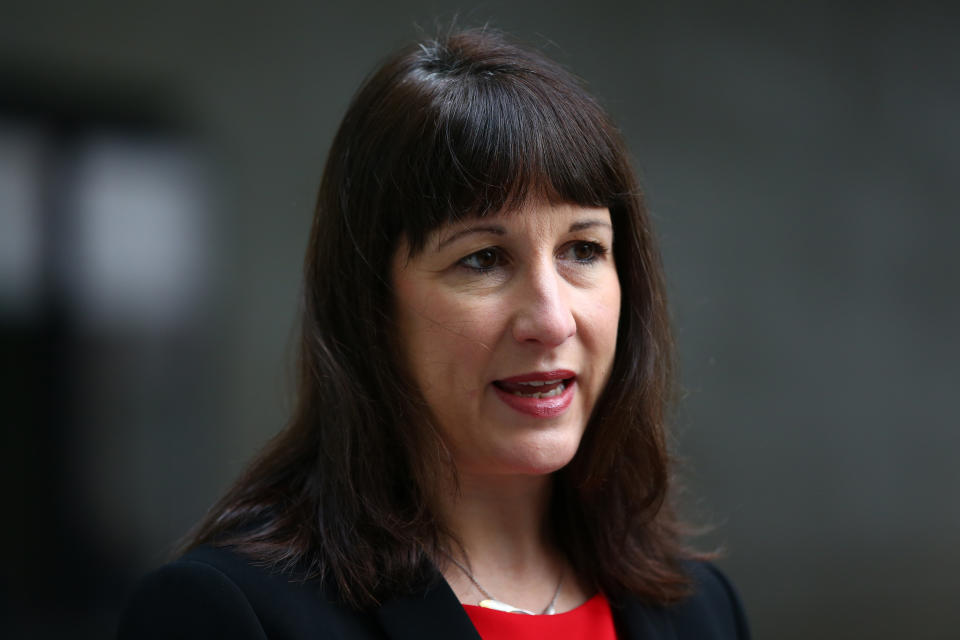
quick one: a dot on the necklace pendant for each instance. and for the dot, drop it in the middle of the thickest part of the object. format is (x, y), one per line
(503, 606)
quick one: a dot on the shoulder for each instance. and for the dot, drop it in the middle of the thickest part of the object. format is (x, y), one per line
(214, 592)
(714, 601)
(712, 611)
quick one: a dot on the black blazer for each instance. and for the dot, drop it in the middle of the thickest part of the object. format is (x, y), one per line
(214, 593)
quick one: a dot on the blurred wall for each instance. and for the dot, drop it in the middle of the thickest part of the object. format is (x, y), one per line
(801, 161)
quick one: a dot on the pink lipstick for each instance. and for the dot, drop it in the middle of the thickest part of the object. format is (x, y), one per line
(542, 394)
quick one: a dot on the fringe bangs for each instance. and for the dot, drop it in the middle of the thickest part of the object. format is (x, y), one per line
(491, 136)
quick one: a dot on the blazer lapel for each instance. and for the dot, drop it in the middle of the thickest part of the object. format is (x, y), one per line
(435, 613)
(634, 620)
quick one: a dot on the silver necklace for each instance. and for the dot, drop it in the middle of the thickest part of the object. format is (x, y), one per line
(492, 603)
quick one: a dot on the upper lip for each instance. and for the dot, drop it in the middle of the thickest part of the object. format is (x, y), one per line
(541, 376)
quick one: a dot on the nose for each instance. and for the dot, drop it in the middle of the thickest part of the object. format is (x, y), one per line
(544, 314)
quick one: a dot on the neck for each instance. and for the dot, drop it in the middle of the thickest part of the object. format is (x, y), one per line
(502, 521)
(507, 547)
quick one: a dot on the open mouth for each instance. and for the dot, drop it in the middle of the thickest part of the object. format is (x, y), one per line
(534, 388)
(541, 394)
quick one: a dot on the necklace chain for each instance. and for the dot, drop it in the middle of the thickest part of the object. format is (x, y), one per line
(499, 604)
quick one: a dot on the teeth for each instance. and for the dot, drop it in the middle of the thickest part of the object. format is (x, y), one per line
(546, 394)
(534, 383)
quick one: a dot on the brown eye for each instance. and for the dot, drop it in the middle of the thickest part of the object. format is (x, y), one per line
(482, 260)
(584, 251)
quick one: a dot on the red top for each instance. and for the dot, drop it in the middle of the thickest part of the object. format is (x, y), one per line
(592, 620)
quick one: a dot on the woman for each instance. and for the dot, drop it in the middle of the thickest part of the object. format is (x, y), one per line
(485, 364)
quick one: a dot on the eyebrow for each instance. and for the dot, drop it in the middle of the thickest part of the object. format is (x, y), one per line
(494, 229)
(587, 224)
(501, 231)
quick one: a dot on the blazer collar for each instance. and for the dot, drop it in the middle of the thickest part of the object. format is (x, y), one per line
(437, 613)
(434, 613)
(636, 620)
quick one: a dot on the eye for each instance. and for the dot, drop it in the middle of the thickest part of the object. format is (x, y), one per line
(585, 252)
(483, 260)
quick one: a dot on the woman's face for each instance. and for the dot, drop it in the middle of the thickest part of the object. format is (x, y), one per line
(509, 325)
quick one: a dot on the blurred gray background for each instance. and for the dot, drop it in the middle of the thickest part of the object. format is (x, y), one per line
(158, 165)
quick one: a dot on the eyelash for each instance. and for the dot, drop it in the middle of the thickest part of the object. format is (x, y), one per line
(598, 251)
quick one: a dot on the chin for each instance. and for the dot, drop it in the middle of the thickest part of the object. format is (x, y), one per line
(543, 459)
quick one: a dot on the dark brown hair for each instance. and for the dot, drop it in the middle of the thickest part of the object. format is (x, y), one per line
(466, 125)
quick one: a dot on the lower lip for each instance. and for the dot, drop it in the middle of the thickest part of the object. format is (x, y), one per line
(539, 407)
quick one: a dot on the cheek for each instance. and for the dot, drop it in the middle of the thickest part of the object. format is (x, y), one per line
(603, 322)
(612, 319)
(604, 315)
(446, 340)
